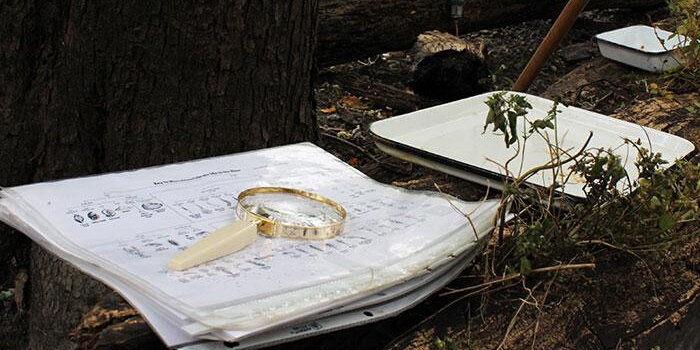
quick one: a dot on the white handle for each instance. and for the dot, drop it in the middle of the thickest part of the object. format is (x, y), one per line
(224, 241)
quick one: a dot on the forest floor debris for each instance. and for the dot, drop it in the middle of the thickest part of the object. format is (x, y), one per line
(619, 303)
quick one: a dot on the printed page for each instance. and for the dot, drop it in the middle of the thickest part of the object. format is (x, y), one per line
(133, 223)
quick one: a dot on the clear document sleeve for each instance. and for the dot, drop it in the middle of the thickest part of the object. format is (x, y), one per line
(130, 224)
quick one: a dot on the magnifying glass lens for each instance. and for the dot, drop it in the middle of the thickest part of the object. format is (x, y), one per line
(291, 209)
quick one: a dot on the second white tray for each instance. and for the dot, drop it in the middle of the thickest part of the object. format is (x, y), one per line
(643, 47)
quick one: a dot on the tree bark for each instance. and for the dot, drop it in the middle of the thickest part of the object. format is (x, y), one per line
(95, 86)
(113, 324)
(355, 29)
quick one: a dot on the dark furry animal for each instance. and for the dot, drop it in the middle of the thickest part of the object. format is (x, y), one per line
(450, 75)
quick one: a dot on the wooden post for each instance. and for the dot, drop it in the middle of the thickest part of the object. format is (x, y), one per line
(550, 43)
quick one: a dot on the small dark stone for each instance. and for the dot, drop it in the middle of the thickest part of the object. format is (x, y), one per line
(578, 52)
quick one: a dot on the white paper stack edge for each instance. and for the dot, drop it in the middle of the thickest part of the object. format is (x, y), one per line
(122, 228)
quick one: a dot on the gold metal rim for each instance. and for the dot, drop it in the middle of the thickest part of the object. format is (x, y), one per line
(274, 229)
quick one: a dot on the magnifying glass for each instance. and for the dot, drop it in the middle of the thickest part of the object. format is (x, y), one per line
(273, 212)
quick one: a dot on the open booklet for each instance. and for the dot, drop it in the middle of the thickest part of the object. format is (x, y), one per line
(123, 228)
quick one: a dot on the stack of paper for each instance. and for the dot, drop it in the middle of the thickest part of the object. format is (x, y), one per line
(122, 228)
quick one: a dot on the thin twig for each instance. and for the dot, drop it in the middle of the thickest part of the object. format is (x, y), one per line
(351, 144)
(518, 181)
(537, 169)
(519, 275)
(610, 245)
(404, 334)
(515, 317)
(600, 100)
(539, 313)
(433, 315)
(476, 235)
(366, 152)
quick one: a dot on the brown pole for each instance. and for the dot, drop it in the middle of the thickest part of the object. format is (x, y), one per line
(550, 43)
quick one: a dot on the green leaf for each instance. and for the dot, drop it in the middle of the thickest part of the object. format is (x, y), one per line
(513, 129)
(525, 266)
(666, 222)
(489, 119)
(6, 294)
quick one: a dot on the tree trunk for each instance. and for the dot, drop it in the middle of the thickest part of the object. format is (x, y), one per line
(355, 29)
(95, 86)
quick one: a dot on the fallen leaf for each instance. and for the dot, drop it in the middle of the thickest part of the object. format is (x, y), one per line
(354, 161)
(328, 110)
(395, 54)
(344, 135)
(353, 102)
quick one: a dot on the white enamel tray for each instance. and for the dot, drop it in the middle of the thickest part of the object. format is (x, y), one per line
(644, 47)
(450, 138)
